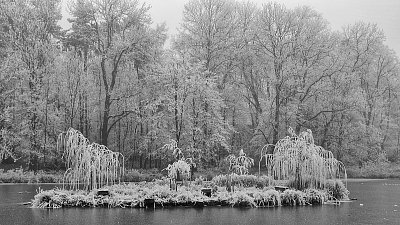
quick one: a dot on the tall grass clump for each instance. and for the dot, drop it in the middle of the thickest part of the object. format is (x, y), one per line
(292, 197)
(297, 158)
(89, 165)
(314, 196)
(337, 189)
(134, 175)
(20, 176)
(242, 180)
(267, 198)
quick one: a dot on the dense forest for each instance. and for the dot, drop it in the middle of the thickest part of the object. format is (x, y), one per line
(236, 76)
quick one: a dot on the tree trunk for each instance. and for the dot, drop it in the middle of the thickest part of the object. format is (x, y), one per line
(119, 136)
(100, 116)
(86, 117)
(46, 122)
(150, 161)
(81, 113)
(106, 111)
(277, 115)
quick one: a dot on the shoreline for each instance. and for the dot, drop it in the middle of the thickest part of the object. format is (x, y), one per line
(159, 195)
(135, 182)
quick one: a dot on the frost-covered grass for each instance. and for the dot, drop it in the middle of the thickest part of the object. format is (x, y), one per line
(243, 180)
(380, 170)
(134, 175)
(21, 176)
(133, 195)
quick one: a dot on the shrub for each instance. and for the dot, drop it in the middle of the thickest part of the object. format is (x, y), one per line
(184, 197)
(293, 197)
(337, 189)
(375, 170)
(208, 174)
(199, 180)
(14, 176)
(241, 199)
(43, 177)
(143, 175)
(162, 181)
(267, 197)
(21, 176)
(212, 185)
(314, 196)
(132, 176)
(264, 181)
(243, 180)
(220, 180)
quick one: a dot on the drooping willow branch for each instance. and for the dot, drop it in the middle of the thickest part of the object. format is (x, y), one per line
(88, 165)
(296, 157)
(240, 164)
(180, 168)
(264, 153)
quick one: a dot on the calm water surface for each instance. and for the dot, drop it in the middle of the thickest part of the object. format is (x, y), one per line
(378, 203)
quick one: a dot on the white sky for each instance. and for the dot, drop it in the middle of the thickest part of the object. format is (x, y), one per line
(339, 13)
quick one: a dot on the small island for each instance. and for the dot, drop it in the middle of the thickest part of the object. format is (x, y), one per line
(298, 173)
(202, 112)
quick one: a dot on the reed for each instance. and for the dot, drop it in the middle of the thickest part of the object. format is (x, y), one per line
(89, 165)
(297, 158)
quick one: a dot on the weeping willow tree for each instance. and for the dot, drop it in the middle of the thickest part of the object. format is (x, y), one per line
(297, 158)
(89, 165)
(182, 168)
(179, 169)
(240, 164)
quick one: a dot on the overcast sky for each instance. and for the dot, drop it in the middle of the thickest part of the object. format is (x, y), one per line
(339, 13)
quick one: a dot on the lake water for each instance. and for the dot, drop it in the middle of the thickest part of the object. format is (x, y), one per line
(378, 203)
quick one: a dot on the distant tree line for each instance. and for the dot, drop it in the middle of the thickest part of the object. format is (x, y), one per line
(237, 76)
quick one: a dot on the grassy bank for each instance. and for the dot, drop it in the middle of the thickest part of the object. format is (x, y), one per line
(368, 171)
(21, 176)
(134, 175)
(135, 195)
(382, 170)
